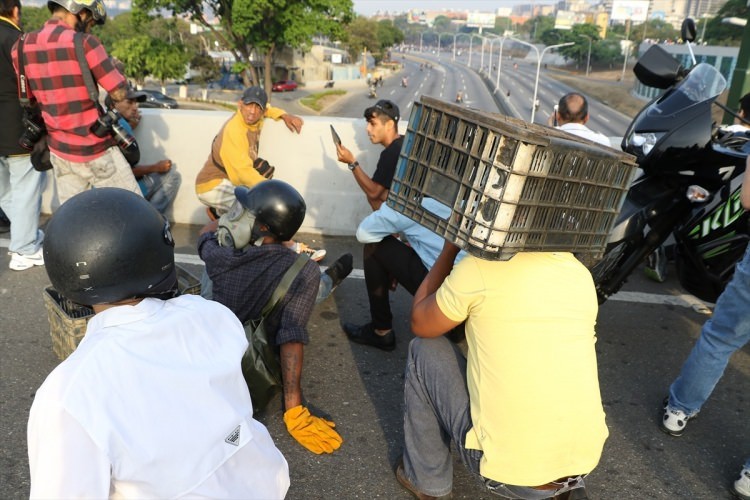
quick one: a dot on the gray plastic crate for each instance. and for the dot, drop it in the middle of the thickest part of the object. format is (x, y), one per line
(511, 186)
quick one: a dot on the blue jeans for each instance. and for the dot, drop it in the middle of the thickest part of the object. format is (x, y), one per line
(161, 189)
(727, 331)
(436, 412)
(21, 199)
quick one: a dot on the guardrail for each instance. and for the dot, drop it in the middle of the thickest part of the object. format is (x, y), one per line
(335, 204)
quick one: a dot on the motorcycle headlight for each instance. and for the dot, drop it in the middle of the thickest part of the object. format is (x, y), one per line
(645, 141)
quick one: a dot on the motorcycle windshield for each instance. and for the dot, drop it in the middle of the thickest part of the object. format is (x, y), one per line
(703, 83)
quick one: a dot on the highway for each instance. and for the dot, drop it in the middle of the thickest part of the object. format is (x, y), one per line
(443, 78)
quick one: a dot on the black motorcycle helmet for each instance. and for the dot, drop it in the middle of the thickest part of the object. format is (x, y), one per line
(108, 244)
(275, 204)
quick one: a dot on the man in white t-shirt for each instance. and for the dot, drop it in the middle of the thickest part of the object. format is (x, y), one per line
(152, 403)
(571, 116)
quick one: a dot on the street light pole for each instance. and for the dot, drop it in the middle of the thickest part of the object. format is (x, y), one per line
(499, 65)
(588, 58)
(538, 68)
(492, 44)
(471, 42)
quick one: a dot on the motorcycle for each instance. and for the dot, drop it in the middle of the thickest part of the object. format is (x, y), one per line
(404, 82)
(372, 94)
(690, 185)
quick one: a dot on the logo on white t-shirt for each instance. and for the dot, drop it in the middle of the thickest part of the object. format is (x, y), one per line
(234, 437)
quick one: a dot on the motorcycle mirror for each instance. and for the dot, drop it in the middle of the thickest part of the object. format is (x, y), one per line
(688, 30)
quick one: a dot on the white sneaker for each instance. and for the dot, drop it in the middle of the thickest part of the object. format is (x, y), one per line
(742, 485)
(673, 421)
(20, 262)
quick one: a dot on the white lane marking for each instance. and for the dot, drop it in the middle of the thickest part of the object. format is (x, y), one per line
(683, 300)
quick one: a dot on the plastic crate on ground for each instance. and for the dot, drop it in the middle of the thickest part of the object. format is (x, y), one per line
(68, 320)
(511, 186)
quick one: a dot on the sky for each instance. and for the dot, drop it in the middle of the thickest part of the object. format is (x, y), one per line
(369, 7)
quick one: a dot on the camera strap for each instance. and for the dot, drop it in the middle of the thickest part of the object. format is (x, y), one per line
(88, 79)
(23, 95)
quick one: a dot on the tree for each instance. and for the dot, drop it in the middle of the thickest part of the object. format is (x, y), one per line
(442, 24)
(388, 35)
(654, 29)
(361, 34)
(536, 28)
(261, 26)
(166, 60)
(32, 18)
(719, 33)
(134, 53)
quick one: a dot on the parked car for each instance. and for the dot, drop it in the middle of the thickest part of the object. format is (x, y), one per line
(155, 99)
(284, 85)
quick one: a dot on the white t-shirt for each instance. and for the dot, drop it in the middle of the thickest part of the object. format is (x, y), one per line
(583, 131)
(153, 404)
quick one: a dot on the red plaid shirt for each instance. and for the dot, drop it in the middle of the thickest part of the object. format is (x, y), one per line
(55, 80)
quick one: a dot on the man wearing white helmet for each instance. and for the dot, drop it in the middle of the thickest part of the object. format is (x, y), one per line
(80, 158)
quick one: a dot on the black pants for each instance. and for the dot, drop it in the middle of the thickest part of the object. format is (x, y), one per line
(389, 258)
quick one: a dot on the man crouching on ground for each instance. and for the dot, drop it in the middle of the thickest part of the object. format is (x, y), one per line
(152, 404)
(523, 408)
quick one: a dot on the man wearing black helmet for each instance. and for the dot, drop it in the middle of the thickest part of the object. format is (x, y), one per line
(246, 260)
(153, 403)
(54, 77)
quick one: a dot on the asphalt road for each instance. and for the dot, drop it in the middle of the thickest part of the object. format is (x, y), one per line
(643, 337)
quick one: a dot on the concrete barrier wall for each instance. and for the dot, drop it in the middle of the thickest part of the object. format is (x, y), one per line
(335, 204)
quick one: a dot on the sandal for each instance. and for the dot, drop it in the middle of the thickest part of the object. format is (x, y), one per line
(316, 255)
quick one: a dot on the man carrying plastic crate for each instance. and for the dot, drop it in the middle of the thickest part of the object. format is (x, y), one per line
(524, 409)
(382, 128)
(152, 404)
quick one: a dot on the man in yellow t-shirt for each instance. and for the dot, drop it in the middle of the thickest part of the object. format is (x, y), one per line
(524, 408)
(233, 160)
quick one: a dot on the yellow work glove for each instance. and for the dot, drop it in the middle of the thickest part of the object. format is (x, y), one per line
(314, 433)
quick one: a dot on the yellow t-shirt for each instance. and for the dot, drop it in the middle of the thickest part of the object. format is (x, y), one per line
(235, 148)
(532, 376)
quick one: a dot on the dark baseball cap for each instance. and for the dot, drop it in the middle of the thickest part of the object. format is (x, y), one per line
(135, 95)
(131, 93)
(255, 95)
(383, 107)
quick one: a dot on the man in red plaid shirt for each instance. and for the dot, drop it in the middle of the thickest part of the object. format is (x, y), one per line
(80, 158)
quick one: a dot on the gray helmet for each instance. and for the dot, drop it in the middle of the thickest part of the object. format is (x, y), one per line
(96, 7)
(108, 244)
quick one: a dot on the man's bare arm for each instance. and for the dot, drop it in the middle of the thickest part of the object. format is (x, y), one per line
(291, 373)
(427, 320)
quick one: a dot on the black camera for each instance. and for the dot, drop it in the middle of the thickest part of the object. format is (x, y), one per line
(33, 130)
(109, 124)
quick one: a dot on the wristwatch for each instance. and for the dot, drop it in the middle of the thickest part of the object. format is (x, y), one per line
(355, 163)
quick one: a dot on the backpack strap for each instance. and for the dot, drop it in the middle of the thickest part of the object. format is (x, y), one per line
(284, 284)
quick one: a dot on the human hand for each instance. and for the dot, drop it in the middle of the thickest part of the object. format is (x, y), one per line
(162, 166)
(292, 122)
(344, 155)
(314, 433)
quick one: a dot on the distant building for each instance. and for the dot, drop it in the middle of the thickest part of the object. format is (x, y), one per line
(722, 58)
